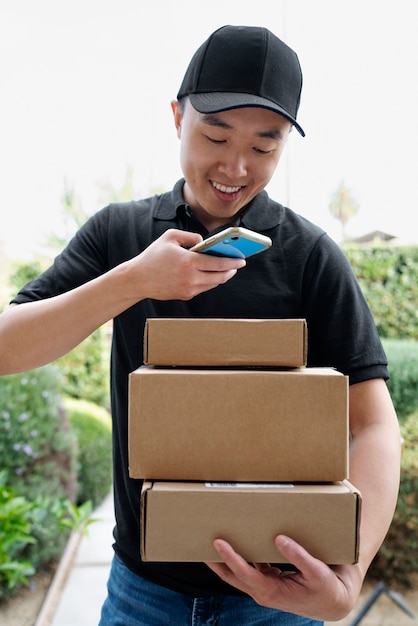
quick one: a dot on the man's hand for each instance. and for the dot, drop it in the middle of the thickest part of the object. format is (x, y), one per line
(316, 590)
(167, 270)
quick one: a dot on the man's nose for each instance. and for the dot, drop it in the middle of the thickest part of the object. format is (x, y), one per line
(234, 166)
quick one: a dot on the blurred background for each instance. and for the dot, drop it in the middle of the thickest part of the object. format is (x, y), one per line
(86, 87)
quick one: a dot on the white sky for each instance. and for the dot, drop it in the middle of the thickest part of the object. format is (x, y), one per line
(86, 85)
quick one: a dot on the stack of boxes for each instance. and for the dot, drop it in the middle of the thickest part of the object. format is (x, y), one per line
(235, 438)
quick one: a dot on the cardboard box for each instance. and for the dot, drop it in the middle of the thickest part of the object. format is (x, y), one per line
(180, 520)
(225, 342)
(243, 425)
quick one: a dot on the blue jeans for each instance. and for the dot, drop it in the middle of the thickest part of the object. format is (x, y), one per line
(134, 601)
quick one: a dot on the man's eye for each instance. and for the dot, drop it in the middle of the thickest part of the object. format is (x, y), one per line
(212, 140)
(260, 151)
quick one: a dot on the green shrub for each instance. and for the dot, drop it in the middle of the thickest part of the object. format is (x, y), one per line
(15, 535)
(388, 278)
(92, 427)
(23, 529)
(37, 447)
(85, 370)
(397, 559)
(50, 534)
(38, 452)
(403, 369)
(22, 272)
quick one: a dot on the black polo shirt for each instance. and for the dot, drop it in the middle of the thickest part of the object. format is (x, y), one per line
(303, 275)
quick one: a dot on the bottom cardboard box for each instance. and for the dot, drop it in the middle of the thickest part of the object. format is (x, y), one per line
(180, 520)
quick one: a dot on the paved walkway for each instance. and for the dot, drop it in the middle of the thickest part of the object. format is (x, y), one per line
(84, 589)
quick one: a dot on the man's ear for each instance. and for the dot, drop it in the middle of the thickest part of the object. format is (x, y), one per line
(178, 116)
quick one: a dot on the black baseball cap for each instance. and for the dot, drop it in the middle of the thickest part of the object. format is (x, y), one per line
(244, 66)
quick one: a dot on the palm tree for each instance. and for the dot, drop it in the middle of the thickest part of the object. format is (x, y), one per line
(343, 206)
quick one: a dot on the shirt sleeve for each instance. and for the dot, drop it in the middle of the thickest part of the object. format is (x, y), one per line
(341, 329)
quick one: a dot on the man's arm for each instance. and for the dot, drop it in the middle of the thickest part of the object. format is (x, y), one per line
(39, 332)
(374, 463)
(318, 591)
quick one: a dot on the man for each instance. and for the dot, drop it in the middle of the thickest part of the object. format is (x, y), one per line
(235, 109)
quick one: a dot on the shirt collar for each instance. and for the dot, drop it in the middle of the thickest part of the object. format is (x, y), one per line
(261, 213)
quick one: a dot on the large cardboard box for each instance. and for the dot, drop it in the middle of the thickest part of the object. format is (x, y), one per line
(225, 342)
(242, 425)
(180, 520)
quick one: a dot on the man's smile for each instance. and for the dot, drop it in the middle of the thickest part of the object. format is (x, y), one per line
(225, 188)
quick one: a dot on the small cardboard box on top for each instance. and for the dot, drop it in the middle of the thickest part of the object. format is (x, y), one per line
(238, 424)
(180, 520)
(225, 342)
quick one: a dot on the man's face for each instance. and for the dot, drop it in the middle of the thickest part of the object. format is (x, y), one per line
(227, 158)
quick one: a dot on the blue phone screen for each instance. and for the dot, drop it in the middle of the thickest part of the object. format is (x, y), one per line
(235, 247)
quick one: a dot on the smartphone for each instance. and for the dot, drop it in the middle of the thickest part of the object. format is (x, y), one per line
(234, 242)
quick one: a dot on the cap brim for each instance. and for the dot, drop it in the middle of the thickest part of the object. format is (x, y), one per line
(214, 102)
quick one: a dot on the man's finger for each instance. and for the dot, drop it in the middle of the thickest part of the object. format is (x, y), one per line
(295, 554)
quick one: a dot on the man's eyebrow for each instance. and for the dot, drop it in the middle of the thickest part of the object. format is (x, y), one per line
(214, 120)
(275, 133)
